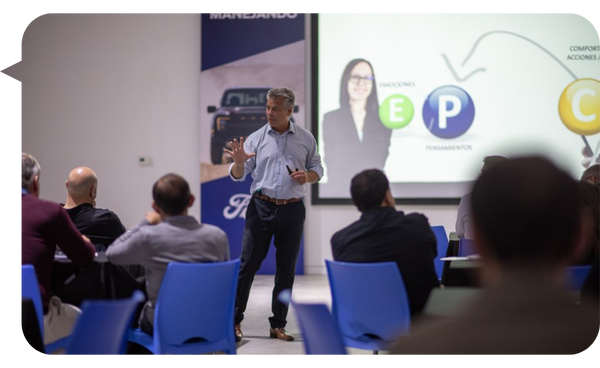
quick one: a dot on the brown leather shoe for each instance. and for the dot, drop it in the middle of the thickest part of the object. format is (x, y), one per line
(238, 332)
(281, 334)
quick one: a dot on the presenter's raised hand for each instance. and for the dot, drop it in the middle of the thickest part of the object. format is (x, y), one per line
(238, 153)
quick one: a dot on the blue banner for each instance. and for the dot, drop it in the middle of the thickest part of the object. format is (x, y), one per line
(228, 37)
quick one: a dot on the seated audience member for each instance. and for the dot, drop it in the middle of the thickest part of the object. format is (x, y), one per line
(167, 235)
(44, 225)
(74, 284)
(590, 224)
(526, 233)
(383, 234)
(590, 292)
(101, 226)
(592, 174)
(463, 219)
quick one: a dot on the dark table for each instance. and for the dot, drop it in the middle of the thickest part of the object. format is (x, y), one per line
(465, 273)
(459, 272)
(100, 280)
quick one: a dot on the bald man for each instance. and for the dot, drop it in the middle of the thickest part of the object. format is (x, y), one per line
(100, 225)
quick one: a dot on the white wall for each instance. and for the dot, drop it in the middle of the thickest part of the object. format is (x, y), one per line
(100, 90)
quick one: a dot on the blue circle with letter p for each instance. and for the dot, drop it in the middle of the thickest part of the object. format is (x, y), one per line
(448, 112)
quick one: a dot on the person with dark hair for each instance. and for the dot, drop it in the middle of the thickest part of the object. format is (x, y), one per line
(354, 137)
(590, 291)
(44, 226)
(102, 226)
(463, 218)
(526, 215)
(592, 174)
(590, 223)
(167, 235)
(590, 253)
(383, 234)
(282, 158)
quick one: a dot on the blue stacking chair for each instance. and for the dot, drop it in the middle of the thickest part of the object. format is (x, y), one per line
(576, 276)
(466, 247)
(31, 289)
(442, 248)
(319, 329)
(369, 303)
(103, 326)
(194, 313)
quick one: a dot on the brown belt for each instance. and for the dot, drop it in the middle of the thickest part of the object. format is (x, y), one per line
(278, 202)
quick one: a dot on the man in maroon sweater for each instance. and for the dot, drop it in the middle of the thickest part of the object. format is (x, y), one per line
(44, 226)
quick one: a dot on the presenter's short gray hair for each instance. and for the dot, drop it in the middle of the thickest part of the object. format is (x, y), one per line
(30, 168)
(286, 93)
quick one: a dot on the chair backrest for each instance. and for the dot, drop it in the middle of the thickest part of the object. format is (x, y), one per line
(196, 303)
(31, 289)
(30, 325)
(103, 325)
(322, 338)
(319, 329)
(369, 300)
(576, 276)
(442, 247)
(466, 247)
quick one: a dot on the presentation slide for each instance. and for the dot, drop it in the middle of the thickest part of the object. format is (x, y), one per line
(426, 97)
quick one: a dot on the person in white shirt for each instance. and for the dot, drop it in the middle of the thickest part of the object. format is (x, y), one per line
(463, 218)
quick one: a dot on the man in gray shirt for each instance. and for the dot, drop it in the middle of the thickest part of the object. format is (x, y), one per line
(167, 235)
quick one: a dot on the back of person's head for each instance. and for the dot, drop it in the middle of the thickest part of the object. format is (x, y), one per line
(592, 174)
(82, 183)
(30, 168)
(368, 189)
(526, 211)
(491, 161)
(590, 197)
(171, 193)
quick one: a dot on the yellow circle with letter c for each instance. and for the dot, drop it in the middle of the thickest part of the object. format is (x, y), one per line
(579, 106)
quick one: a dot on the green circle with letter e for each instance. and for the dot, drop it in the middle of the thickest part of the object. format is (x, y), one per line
(396, 112)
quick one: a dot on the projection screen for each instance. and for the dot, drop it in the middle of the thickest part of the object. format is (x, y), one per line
(426, 97)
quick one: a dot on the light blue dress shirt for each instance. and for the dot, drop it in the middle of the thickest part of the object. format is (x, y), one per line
(296, 148)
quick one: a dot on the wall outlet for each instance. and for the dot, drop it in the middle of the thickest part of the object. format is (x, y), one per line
(145, 160)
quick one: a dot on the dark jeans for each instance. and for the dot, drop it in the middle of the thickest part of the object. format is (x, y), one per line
(265, 220)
